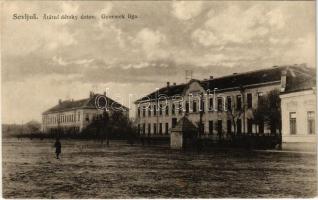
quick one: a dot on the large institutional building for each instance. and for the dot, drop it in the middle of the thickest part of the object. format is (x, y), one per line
(220, 106)
(73, 116)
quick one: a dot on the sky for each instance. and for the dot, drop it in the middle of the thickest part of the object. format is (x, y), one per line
(43, 61)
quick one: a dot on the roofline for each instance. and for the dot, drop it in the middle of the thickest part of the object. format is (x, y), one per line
(77, 108)
(231, 75)
(221, 90)
(84, 107)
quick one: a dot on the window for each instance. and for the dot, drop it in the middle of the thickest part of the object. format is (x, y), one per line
(174, 122)
(160, 109)
(260, 98)
(311, 122)
(144, 111)
(79, 116)
(211, 104)
(249, 100)
(292, 123)
(167, 128)
(149, 129)
(167, 110)
(155, 128)
(220, 104)
(87, 117)
(194, 106)
(154, 110)
(138, 129)
(202, 106)
(249, 126)
(160, 128)
(239, 126)
(149, 111)
(143, 128)
(187, 107)
(229, 126)
(180, 108)
(211, 127)
(229, 103)
(173, 110)
(238, 102)
(138, 112)
(219, 127)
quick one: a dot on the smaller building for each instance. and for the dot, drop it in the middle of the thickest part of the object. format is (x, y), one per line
(184, 131)
(72, 116)
(298, 105)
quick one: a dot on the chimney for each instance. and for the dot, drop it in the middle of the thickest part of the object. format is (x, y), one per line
(91, 94)
(283, 79)
(60, 101)
(168, 84)
(211, 77)
(174, 84)
(105, 93)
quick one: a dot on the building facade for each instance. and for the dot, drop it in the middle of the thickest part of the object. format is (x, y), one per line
(72, 116)
(217, 106)
(298, 104)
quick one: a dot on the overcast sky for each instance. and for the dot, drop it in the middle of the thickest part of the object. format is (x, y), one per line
(43, 61)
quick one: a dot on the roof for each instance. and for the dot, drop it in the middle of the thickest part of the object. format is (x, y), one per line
(88, 103)
(303, 79)
(184, 125)
(234, 81)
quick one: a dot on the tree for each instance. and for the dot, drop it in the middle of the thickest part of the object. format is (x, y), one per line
(236, 112)
(33, 127)
(105, 127)
(269, 111)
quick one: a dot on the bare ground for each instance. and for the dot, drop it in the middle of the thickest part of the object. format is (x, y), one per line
(88, 169)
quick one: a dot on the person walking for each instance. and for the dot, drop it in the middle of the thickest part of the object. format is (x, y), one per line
(58, 148)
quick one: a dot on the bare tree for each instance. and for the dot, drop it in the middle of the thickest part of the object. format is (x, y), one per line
(236, 112)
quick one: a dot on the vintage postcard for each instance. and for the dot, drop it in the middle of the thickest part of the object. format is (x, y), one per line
(158, 99)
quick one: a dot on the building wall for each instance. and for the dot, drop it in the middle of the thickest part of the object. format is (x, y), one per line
(65, 119)
(298, 104)
(195, 89)
(77, 118)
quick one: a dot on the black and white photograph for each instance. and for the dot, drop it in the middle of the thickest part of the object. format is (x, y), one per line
(158, 99)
